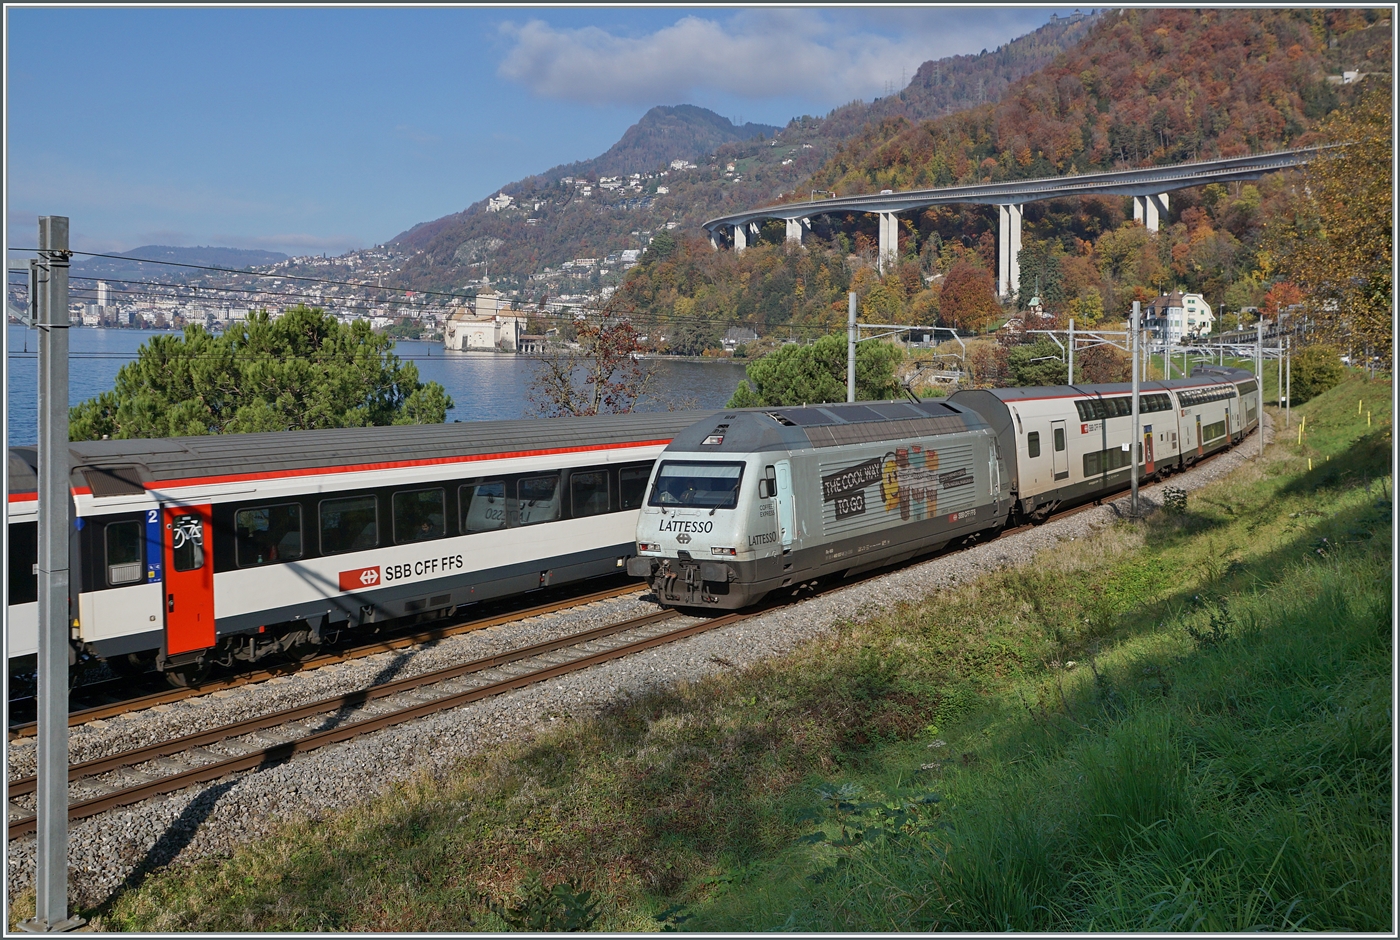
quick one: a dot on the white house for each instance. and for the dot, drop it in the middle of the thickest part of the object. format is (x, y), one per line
(488, 328)
(1178, 317)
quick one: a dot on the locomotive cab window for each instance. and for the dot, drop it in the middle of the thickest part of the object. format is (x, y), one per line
(632, 486)
(419, 515)
(1033, 444)
(588, 492)
(537, 499)
(123, 543)
(483, 506)
(349, 525)
(267, 534)
(698, 485)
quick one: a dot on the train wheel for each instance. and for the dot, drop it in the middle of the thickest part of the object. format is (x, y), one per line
(189, 675)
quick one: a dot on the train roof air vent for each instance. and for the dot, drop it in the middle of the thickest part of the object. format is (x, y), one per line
(113, 481)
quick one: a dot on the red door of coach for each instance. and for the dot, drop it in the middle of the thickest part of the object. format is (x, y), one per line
(189, 579)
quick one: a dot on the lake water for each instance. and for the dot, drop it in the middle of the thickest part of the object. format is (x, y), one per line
(483, 386)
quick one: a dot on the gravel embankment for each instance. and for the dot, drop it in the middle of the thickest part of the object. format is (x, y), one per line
(121, 846)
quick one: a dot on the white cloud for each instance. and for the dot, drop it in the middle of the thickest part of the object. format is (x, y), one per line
(826, 57)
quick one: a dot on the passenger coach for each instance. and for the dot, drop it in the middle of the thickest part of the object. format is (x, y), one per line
(192, 551)
(1069, 443)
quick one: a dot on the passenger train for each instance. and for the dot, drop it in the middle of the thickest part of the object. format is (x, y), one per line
(753, 501)
(192, 552)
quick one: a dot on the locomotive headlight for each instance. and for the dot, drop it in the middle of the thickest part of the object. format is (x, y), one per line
(723, 551)
(648, 547)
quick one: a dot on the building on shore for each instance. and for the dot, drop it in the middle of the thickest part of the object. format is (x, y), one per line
(488, 327)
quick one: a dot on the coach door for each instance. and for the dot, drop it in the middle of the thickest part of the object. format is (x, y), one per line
(1059, 449)
(1149, 458)
(1200, 445)
(785, 507)
(189, 579)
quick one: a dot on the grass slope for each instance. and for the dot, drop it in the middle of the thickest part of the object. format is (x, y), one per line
(1176, 724)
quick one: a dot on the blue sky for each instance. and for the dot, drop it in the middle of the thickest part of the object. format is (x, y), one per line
(318, 129)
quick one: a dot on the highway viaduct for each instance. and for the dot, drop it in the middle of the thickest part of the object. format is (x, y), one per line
(1149, 188)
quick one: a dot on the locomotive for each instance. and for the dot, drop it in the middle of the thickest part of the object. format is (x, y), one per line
(191, 552)
(752, 501)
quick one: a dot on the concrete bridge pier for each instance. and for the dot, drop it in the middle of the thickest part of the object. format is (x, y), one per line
(741, 237)
(1151, 210)
(798, 230)
(889, 241)
(714, 239)
(1008, 249)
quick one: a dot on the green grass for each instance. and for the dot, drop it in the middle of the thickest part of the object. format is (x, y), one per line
(1176, 724)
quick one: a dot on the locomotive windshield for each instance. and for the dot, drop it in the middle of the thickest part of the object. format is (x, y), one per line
(700, 485)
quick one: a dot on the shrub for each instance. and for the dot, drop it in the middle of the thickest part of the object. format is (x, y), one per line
(1315, 370)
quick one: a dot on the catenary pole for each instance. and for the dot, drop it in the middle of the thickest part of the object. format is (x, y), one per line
(1071, 350)
(1259, 380)
(51, 834)
(1288, 385)
(1137, 413)
(851, 331)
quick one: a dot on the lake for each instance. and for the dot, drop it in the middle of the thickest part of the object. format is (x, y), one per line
(483, 386)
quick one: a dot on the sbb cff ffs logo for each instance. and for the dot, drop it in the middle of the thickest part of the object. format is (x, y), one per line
(359, 579)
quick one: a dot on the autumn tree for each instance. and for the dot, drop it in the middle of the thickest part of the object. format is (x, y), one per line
(968, 298)
(605, 375)
(1338, 249)
(302, 370)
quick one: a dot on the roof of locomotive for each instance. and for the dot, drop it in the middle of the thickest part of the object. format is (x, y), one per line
(787, 428)
(163, 460)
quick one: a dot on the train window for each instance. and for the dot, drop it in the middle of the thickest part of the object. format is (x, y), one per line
(419, 515)
(24, 562)
(537, 499)
(268, 534)
(633, 486)
(1059, 438)
(483, 506)
(186, 543)
(588, 492)
(1105, 461)
(349, 525)
(1033, 443)
(123, 552)
(702, 485)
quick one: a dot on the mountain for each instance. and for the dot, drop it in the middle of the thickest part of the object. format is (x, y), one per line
(235, 258)
(683, 132)
(550, 222)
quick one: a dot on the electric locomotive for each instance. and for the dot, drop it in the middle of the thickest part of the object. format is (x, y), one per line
(753, 501)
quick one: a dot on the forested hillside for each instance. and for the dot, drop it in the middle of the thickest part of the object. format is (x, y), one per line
(1146, 86)
(569, 223)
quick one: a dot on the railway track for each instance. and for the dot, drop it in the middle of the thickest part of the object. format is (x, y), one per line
(116, 705)
(132, 776)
